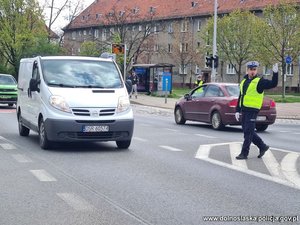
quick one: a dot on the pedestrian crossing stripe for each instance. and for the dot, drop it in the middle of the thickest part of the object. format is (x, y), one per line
(284, 172)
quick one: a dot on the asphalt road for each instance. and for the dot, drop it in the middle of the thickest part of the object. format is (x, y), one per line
(170, 175)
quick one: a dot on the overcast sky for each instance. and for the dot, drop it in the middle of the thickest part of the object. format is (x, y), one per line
(62, 21)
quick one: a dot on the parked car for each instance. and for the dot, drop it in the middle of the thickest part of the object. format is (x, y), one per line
(215, 103)
(8, 89)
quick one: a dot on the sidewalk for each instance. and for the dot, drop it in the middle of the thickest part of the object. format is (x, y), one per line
(284, 110)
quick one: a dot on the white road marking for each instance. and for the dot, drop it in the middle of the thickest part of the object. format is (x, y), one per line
(140, 139)
(7, 146)
(2, 138)
(21, 158)
(203, 152)
(43, 175)
(272, 165)
(235, 150)
(289, 169)
(283, 131)
(171, 148)
(205, 136)
(75, 201)
(173, 130)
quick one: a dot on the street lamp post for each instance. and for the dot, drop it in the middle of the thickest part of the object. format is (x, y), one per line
(213, 69)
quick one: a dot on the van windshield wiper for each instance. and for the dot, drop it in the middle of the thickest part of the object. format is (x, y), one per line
(88, 86)
(62, 85)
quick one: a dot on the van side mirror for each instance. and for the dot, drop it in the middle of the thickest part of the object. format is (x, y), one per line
(128, 85)
(33, 85)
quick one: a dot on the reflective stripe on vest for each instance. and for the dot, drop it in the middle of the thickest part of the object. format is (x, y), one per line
(252, 98)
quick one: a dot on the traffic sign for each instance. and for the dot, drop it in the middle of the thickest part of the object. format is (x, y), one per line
(118, 48)
(288, 59)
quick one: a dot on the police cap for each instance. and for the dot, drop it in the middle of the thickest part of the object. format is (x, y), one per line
(252, 64)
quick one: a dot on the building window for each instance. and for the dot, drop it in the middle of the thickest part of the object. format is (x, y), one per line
(96, 33)
(104, 35)
(184, 25)
(289, 68)
(199, 25)
(155, 29)
(183, 69)
(133, 28)
(230, 69)
(197, 69)
(156, 48)
(170, 28)
(74, 35)
(207, 39)
(112, 31)
(140, 27)
(84, 33)
(183, 47)
(170, 48)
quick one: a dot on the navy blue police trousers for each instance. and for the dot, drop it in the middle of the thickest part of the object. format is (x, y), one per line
(250, 136)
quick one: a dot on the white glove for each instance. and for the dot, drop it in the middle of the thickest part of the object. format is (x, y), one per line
(237, 116)
(275, 68)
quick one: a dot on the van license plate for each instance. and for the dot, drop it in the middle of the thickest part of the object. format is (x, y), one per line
(95, 128)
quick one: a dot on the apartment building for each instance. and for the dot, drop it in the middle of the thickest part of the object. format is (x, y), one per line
(163, 31)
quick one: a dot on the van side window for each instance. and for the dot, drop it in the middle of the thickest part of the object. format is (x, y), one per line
(35, 72)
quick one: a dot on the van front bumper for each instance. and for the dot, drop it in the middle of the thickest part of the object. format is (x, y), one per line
(70, 130)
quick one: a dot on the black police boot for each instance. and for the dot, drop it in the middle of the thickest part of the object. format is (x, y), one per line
(263, 151)
(241, 156)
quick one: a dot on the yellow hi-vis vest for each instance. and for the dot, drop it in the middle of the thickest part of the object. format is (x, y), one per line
(200, 83)
(252, 98)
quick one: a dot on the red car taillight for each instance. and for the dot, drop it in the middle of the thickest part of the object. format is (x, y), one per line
(233, 103)
(272, 104)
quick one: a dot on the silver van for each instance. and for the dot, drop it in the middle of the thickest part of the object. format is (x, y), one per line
(70, 98)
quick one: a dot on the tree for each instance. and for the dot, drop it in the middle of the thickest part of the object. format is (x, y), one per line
(56, 9)
(236, 38)
(281, 36)
(89, 48)
(134, 37)
(21, 26)
(182, 51)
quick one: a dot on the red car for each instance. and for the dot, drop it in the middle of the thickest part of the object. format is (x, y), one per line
(215, 103)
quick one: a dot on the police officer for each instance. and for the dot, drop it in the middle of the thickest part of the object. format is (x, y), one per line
(199, 81)
(250, 101)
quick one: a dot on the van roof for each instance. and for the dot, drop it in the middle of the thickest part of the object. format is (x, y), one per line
(67, 57)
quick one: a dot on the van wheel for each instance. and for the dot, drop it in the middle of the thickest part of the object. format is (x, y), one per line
(44, 142)
(123, 144)
(23, 131)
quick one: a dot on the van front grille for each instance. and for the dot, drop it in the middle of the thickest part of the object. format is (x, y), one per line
(94, 112)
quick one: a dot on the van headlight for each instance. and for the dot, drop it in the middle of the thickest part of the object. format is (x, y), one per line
(123, 104)
(59, 103)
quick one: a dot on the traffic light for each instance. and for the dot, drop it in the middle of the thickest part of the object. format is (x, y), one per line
(118, 48)
(216, 61)
(209, 61)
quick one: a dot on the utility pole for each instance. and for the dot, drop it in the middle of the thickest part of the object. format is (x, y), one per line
(213, 69)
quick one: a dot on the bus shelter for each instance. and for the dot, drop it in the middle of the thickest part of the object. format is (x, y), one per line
(154, 78)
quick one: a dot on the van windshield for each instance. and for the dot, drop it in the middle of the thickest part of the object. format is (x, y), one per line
(80, 73)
